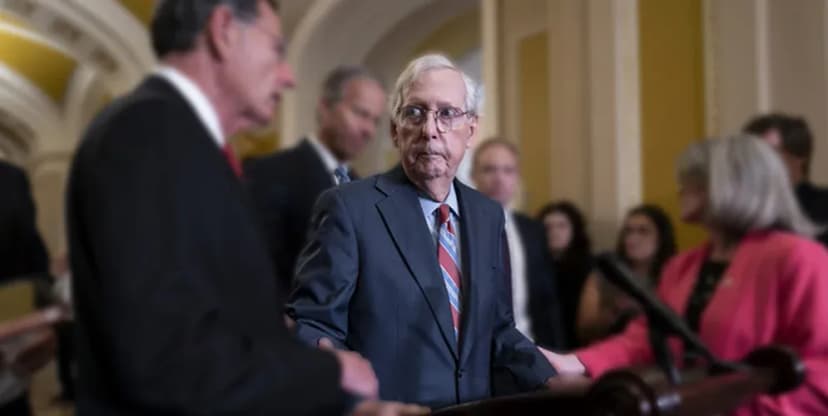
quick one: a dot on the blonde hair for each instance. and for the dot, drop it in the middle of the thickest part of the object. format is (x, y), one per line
(747, 186)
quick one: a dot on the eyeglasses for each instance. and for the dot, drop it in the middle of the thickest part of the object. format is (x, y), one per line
(446, 118)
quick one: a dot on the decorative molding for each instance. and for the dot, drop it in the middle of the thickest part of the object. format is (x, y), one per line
(36, 37)
(490, 33)
(614, 114)
(761, 32)
(319, 46)
(31, 107)
(83, 86)
(302, 36)
(711, 75)
(97, 32)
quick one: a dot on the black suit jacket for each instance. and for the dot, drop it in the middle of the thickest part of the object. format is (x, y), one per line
(814, 202)
(176, 307)
(284, 186)
(369, 280)
(22, 252)
(544, 309)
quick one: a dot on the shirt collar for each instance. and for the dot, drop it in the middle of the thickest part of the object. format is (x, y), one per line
(429, 205)
(328, 159)
(196, 98)
(508, 215)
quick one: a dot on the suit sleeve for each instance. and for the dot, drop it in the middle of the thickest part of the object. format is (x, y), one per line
(511, 349)
(802, 291)
(326, 274)
(161, 322)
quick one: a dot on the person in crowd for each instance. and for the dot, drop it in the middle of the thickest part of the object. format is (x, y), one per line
(285, 185)
(22, 252)
(645, 243)
(571, 251)
(535, 303)
(758, 280)
(792, 138)
(176, 308)
(22, 256)
(408, 267)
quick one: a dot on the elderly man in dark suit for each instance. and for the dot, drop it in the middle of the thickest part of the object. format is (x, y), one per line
(176, 306)
(285, 185)
(496, 174)
(407, 267)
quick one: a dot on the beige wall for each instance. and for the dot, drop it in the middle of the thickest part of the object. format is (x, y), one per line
(567, 90)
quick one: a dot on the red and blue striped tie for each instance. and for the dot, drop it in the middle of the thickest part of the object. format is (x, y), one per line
(447, 256)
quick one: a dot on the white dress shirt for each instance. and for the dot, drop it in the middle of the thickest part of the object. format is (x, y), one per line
(328, 159)
(197, 100)
(520, 291)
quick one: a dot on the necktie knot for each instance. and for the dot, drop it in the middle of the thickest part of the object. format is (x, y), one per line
(341, 173)
(443, 213)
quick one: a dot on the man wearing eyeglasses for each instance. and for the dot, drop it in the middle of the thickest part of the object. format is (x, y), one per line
(407, 267)
(348, 113)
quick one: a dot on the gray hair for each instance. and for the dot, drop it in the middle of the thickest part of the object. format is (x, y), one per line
(747, 186)
(334, 86)
(427, 63)
(177, 23)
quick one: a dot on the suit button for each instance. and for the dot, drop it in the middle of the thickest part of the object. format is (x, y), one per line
(460, 373)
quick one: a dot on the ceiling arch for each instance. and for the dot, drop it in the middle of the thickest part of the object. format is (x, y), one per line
(334, 32)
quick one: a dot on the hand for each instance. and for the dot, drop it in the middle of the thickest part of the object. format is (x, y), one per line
(289, 322)
(378, 408)
(39, 350)
(575, 383)
(358, 376)
(564, 363)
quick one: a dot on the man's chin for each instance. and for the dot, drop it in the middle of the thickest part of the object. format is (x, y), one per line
(429, 172)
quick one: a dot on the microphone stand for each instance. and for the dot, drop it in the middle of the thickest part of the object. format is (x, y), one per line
(660, 327)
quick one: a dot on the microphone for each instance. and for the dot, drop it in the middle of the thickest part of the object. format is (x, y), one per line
(659, 316)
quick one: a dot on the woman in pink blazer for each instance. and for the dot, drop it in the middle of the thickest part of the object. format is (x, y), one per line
(756, 281)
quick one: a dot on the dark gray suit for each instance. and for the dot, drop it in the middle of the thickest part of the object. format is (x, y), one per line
(369, 280)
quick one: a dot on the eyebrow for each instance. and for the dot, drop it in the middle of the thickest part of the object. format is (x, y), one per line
(439, 104)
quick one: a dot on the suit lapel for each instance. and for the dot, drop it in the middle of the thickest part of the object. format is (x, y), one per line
(472, 238)
(404, 220)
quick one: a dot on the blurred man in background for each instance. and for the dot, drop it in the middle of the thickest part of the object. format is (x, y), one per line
(285, 185)
(496, 173)
(792, 138)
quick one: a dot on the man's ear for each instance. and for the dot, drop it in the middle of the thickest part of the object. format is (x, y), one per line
(222, 32)
(394, 131)
(472, 132)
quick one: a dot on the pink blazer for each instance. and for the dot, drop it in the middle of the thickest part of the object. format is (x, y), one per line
(775, 291)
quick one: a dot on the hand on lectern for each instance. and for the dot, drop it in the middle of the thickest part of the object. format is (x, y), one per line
(379, 408)
(564, 364)
(357, 375)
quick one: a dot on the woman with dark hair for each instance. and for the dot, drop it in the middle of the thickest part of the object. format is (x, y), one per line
(645, 243)
(570, 250)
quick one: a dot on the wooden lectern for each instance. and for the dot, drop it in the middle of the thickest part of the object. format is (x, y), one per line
(647, 391)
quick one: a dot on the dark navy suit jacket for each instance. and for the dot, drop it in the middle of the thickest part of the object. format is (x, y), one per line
(369, 280)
